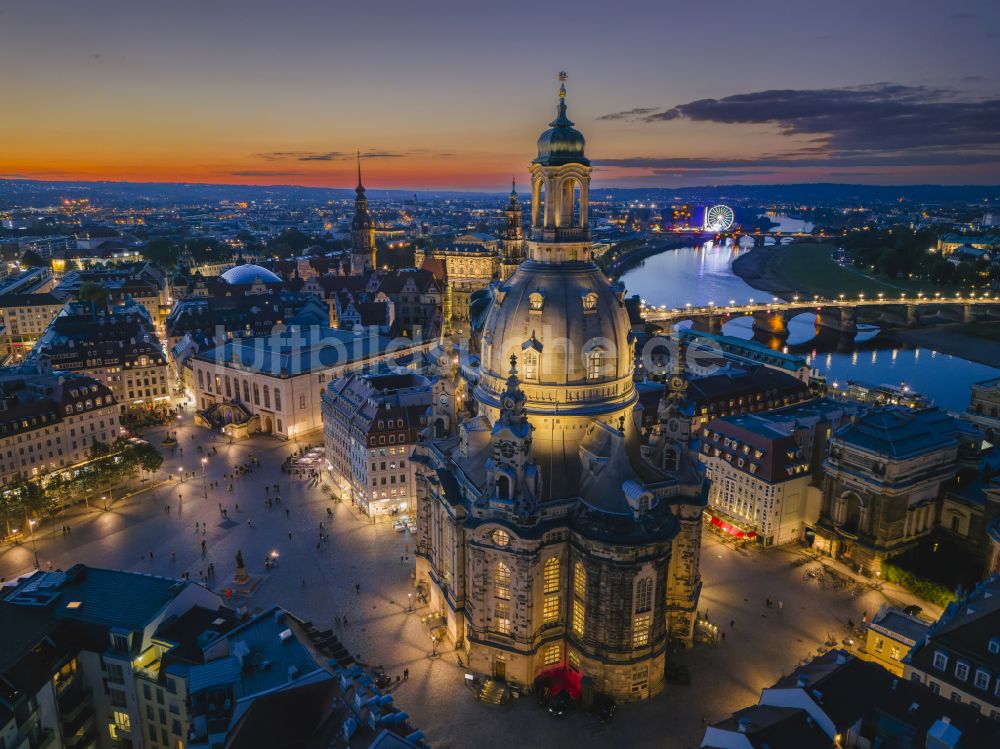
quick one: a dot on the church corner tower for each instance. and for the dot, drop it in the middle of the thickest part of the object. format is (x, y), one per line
(362, 232)
(513, 234)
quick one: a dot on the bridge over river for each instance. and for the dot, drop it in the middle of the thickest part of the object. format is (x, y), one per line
(840, 315)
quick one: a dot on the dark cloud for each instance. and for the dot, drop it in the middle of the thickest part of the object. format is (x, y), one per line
(323, 155)
(879, 124)
(630, 114)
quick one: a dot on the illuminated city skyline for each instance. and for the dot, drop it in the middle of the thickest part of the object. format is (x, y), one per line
(445, 95)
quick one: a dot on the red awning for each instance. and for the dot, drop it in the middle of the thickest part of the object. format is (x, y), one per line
(732, 530)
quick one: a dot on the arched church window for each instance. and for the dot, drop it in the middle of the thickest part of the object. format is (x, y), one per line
(503, 487)
(267, 396)
(551, 576)
(246, 391)
(644, 595)
(256, 394)
(501, 582)
(579, 581)
(277, 399)
(579, 599)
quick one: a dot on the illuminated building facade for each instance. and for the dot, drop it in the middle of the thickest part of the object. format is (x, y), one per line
(553, 539)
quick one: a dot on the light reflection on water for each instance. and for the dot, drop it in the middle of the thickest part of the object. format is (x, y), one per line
(702, 275)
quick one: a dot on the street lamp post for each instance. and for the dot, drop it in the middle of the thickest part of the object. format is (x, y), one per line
(204, 483)
(409, 606)
(34, 546)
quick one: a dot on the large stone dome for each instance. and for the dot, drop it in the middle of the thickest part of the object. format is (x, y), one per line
(248, 275)
(570, 332)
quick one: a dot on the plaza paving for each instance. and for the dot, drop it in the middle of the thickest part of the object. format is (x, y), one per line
(318, 583)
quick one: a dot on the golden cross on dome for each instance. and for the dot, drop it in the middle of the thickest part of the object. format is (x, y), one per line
(562, 84)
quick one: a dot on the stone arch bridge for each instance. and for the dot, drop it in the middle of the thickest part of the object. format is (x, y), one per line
(839, 315)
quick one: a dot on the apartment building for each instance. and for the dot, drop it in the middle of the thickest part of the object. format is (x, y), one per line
(23, 320)
(49, 420)
(371, 424)
(959, 657)
(761, 468)
(97, 658)
(118, 348)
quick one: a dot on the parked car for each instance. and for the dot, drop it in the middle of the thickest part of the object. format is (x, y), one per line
(604, 707)
(399, 526)
(559, 705)
(380, 677)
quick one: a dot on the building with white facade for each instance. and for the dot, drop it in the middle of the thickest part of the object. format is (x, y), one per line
(273, 384)
(371, 423)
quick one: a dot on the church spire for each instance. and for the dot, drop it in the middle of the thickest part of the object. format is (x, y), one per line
(561, 119)
(362, 231)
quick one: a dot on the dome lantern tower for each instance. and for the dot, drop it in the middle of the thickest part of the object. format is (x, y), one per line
(560, 192)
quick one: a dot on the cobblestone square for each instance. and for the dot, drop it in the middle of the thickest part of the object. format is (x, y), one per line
(316, 580)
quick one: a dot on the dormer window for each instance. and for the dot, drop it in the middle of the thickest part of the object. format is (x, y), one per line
(940, 661)
(595, 365)
(994, 646)
(536, 301)
(530, 364)
(589, 301)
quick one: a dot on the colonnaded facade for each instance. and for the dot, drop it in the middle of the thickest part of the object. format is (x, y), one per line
(554, 537)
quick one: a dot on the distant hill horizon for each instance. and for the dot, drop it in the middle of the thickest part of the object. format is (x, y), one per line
(17, 192)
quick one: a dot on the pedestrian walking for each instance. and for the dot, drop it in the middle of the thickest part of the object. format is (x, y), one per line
(357, 588)
(289, 535)
(732, 623)
(406, 674)
(287, 512)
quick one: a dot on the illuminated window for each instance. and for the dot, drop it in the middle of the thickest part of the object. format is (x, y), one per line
(551, 576)
(574, 661)
(502, 619)
(551, 656)
(590, 301)
(895, 653)
(879, 644)
(595, 365)
(501, 582)
(579, 581)
(122, 720)
(550, 610)
(579, 618)
(644, 595)
(536, 301)
(640, 631)
(530, 365)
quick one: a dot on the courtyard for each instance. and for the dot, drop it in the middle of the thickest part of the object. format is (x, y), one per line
(160, 531)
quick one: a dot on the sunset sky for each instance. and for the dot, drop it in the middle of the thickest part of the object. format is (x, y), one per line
(449, 94)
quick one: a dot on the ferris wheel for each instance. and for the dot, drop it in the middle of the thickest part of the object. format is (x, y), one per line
(719, 218)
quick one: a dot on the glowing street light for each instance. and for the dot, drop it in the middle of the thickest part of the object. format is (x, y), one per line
(34, 547)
